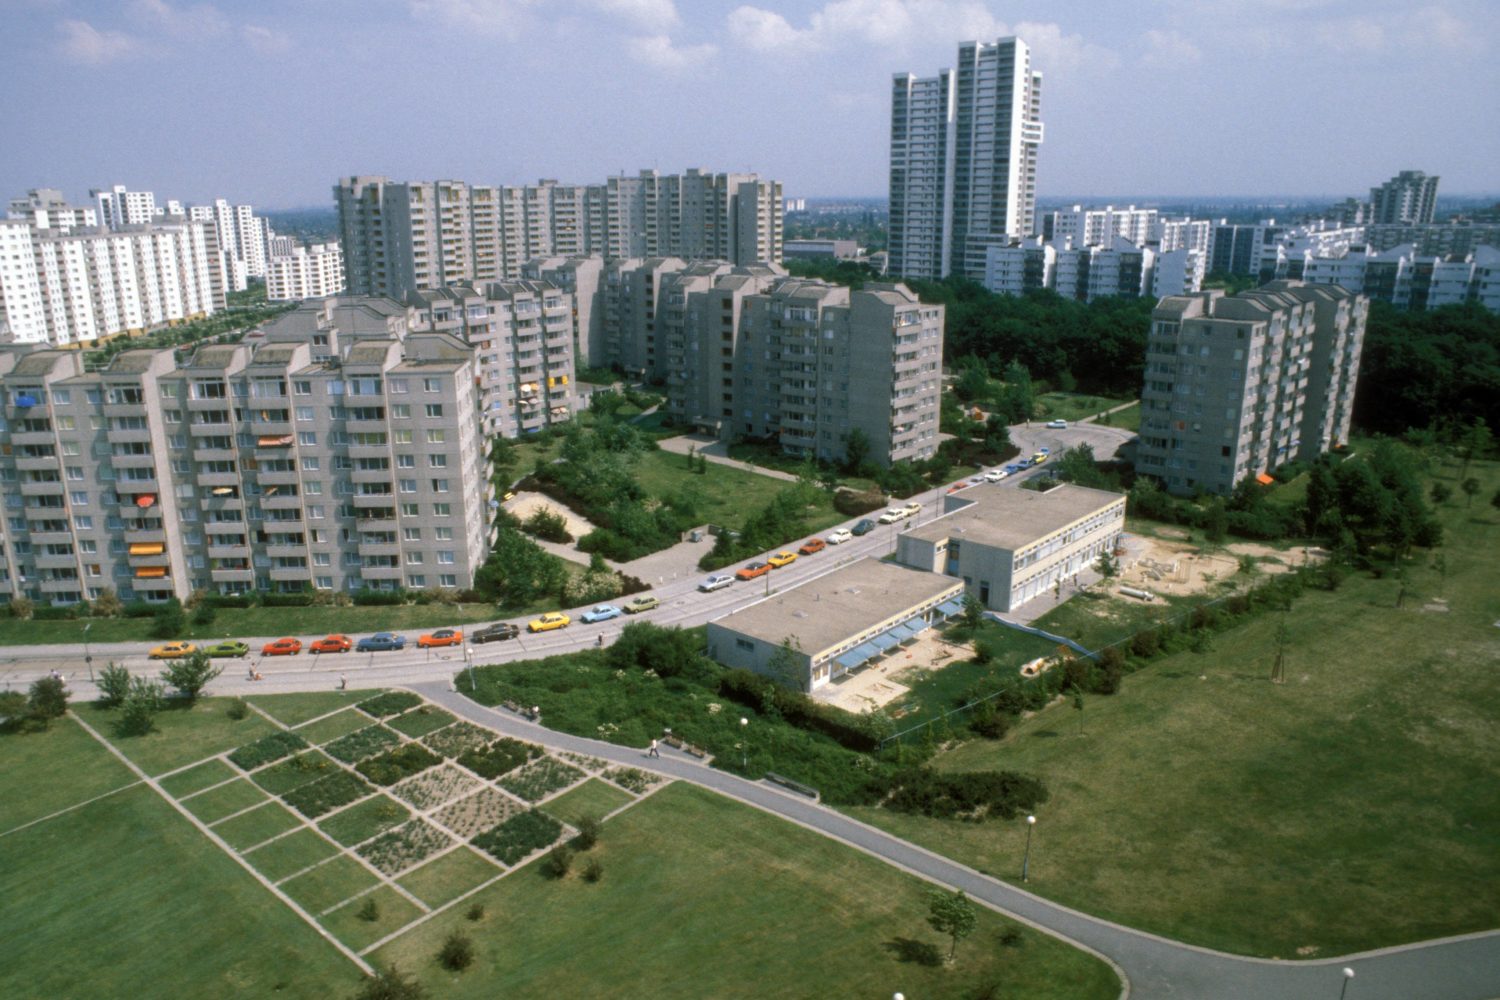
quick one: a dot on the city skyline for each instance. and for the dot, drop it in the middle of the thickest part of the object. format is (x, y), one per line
(271, 107)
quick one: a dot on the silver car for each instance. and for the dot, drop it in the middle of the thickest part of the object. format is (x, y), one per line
(716, 582)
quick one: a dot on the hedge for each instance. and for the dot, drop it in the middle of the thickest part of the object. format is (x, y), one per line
(379, 598)
(266, 749)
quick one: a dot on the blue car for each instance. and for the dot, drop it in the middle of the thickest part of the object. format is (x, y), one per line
(1014, 468)
(601, 613)
(379, 642)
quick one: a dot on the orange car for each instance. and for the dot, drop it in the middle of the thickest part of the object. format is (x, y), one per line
(754, 570)
(442, 637)
(331, 644)
(281, 647)
(813, 545)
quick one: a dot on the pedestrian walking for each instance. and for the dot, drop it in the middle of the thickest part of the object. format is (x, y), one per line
(653, 752)
(601, 640)
(343, 683)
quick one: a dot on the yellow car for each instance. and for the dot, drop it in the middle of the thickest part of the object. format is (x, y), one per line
(173, 651)
(781, 559)
(548, 622)
(1039, 458)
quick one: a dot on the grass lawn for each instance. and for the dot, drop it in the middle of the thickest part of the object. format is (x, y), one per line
(92, 906)
(184, 733)
(392, 911)
(329, 729)
(1355, 806)
(257, 826)
(448, 876)
(1128, 418)
(661, 928)
(329, 884)
(592, 798)
(290, 854)
(363, 821)
(297, 709)
(225, 800)
(1072, 406)
(934, 692)
(32, 763)
(211, 772)
(1095, 619)
(730, 496)
(421, 721)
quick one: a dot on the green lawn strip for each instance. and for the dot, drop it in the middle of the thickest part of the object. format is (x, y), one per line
(328, 884)
(33, 762)
(1095, 619)
(730, 495)
(124, 897)
(327, 793)
(448, 877)
(389, 703)
(294, 772)
(364, 820)
(290, 854)
(936, 691)
(1127, 419)
(592, 798)
(672, 932)
(216, 803)
(421, 721)
(362, 743)
(329, 729)
(257, 826)
(1353, 807)
(1072, 406)
(296, 709)
(211, 772)
(352, 923)
(183, 734)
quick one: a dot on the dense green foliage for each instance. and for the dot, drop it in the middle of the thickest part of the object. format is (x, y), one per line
(266, 749)
(402, 762)
(1428, 369)
(326, 794)
(499, 757)
(389, 703)
(519, 836)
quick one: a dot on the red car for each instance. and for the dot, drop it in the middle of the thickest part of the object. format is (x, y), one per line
(442, 637)
(281, 647)
(813, 545)
(754, 570)
(331, 644)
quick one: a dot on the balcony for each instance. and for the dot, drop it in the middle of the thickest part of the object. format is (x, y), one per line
(380, 572)
(214, 454)
(379, 549)
(211, 480)
(153, 583)
(287, 477)
(229, 549)
(291, 572)
(128, 435)
(374, 519)
(133, 461)
(197, 430)
(124, 409)
(223, 501)
(271, 428)
(145, 536)
(42, 489)
(365, 501)
(354, 426)
(280, 550)
(22, 438)
(69, 561)
(291, 501)
(46, 463)
(51, 537)
(62, 587)
(236, 528)
(358, 451)
(208, 403)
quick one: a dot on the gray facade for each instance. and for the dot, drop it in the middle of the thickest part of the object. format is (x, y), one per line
(1406, 199)
(1237, 386)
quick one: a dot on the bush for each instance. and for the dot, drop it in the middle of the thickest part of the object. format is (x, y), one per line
(559, 861)
(475, 912)
(238, 709)
(369, 911)
(229, 601)
(971, 795)
(140, 609)
(588, 832)
(518, 836)
(170, 621)
(203, 614)
(390, 984)
(798, 709)
(107, 604)
(139, 707)
(48, 699)
(266, 749)
(326, 794)
(457, 952)
(392, 766)
(302, 600)
(593, 871)
(22, 608)
(114, 684)
(852, 503)
(379, 598)
(547, 524)
(55, 613)
(362, 743)
(191, 674)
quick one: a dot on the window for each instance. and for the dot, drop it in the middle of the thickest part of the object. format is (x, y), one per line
(437, 436)
(397, 385)
(400, 411)
(445, 557)
(307, 439)
(406, 461)
(177, 440)
(310, 464)
(317, 536)
(410, 509)
(80, 498)
(172, 416)
(315, 511)
(434, 409)
(447, 580)
(75, 472)
(95, 396)
(302, 388)
(408, 486)
(83, 522)
(440, 486)
(416, 581)
(432, 385)
(401, 436)
(442, 510)
(66, 424)
(437, 461)
(443, 534)
(168, 391)
(313, 487)
(414, 559)
(70, 449)
(305, 413)
(63, 397)
(411, 534)
(322, 559)
(87, 546)
(323, 582)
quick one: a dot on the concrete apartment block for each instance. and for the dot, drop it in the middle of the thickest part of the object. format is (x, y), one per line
(1237, 386)
(1010, 545)
(313, 272)
(1408, 198)
(581, 276)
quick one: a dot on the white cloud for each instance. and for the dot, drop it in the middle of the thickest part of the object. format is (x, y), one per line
(1053, 52)
(497, 17)
(650, 15)
(200, 21)
(765, 30)
(265, 41)
(86, 44)
(660, 52)
(1170, 49)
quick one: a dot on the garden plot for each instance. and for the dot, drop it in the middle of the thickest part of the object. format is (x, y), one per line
(398, 764)
(278, 779)
(266, 749)
(327, 794)
(484, 810)
(420, 721)
(433, 788)
(593, 765)
(458, 739)
(519, 836)
(633, 779)
(362, 743)
(541, 778)
(500, 757)
(389, 703)
(404, 847)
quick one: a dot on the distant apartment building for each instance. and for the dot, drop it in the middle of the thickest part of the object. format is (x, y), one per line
(1095, 226)
(1238, 386)
(1116, 268)
(71, 285)
(400, 237)
(46, 208)
(815, 249)
(119, 207)
(963, 160)
(1438, 239)
(1408, 198)
(1406, 278)
(313, 272)
(243, 468)
(581, 276)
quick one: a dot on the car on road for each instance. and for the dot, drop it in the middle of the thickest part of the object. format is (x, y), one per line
(601, 613)
(912, 509)
(1024, 463)
(812, 546)
(839, 536)
(958, 486)
(1044, 451)
(442, 637)
(1057, 425)
(380, 642)
(995, 475)
(497, 632)
(753, 570)
(548, 622)
(229, 647)
(716, 582)
(782, 558)
(892, 516)
(282, 647)
(173, 650)
(644, 602)
(1039, 458)
(1013, 468)
(331, 644)
(864, 527)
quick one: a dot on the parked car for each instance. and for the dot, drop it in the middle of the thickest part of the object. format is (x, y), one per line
(173, 651)
(601, 613)
(331, 644)
(957, 486)
(716, 582)
(892, 516)
(912, 509)
(1039, 458)
(1024, 463)
(864, 527)
(813, 546)
(1057, 425)
(1013, 468)
(497, 632)
(1044, 451)
(379, 642)
(645, 602)
(995, 475)
(839, 536)
(230, 647)
(442, 637)
(551, 620)
(782, 558)
(282, 647)
(753, 570)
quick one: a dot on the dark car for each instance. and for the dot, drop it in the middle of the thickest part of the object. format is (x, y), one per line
(496, 632)
(864, 527)
(380, 642)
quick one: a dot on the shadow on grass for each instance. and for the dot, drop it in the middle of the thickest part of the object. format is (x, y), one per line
(917, 952)
(1049, 734)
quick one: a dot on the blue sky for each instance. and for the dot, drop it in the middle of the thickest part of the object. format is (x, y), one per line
(270, 101)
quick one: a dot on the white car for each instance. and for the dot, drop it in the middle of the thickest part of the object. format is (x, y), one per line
(839, 536)
(1057, 425)
(995, 475)
(892, 516)
(716, 582)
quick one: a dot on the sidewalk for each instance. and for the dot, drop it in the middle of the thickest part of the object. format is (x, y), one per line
(718, 452)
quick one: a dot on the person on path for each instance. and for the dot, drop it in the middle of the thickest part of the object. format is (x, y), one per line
(653, 752)
(343, 683)
(601, 640)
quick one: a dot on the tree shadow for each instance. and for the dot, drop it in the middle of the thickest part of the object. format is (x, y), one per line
(918, 952)
(1050, 734)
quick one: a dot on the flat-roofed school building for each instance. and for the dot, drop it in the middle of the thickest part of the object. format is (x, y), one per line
(839, 621)
(1008, 545)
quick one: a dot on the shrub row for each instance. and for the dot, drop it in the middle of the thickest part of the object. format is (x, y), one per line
(327, 794)
(762, 693)
(970, 795)
(266, 749)
(500, 757)
(362, 743)
(518, 836)
(389, 703)
(402, 762)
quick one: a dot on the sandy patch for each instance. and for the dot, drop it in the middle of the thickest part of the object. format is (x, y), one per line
(886, 680)
(1167, 566)
(525, 504)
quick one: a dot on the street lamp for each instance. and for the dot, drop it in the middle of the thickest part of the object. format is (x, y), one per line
(1026, 858)
(744, 745)
(88, 659)
(1348, 975)
(469, 663)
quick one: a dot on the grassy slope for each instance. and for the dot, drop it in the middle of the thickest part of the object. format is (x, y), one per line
(1355, 806)
(731, 496)
(703, 897)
